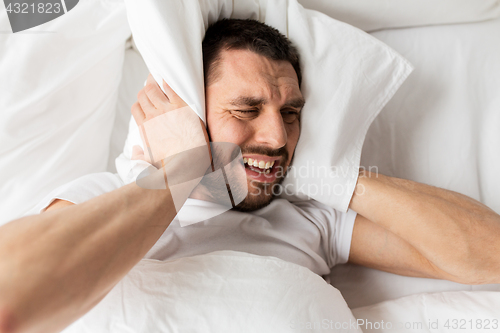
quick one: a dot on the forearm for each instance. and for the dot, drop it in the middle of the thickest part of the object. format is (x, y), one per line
(57, 265)
(458, 235)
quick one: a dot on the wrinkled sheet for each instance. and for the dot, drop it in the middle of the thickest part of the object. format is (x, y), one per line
(223, 291)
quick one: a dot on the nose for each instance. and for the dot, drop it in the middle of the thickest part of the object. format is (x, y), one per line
(270, 129)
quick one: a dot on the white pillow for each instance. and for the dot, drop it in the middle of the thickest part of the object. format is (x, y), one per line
(134, 75)
(59, 86)
(461, 311)
(371, 15)
(348, 76)
(223, 291)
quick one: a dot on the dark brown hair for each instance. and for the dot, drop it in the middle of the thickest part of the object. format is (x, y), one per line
(236, 34)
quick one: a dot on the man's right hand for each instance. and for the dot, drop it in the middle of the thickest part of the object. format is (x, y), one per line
(168, 126)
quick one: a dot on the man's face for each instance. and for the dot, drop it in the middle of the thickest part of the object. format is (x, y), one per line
(255, 103)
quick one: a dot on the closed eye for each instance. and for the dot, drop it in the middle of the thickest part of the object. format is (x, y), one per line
(290, 115)
(248, 113)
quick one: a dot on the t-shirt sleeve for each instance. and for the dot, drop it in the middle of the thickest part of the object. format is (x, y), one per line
(335, 227)
(341, 237)
(80, 190)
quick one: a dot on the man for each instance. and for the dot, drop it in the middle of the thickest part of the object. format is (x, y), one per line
(57, 265)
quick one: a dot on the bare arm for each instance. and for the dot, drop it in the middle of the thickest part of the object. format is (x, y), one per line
(57, 265)
(414, 229)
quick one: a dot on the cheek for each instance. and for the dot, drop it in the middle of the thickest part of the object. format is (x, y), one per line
(226, 129)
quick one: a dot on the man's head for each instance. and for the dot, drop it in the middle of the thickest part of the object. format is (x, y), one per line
(253, 99)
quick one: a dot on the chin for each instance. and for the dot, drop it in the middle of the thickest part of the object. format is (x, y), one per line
(259, 196)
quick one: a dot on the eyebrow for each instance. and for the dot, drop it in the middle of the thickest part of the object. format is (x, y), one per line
(247, 101)
(296, 103)
(253, 101)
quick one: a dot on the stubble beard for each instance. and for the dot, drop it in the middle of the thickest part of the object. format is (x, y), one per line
(260, 194)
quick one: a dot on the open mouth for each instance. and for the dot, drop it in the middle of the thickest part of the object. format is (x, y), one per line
(258, 166)
(261, 170)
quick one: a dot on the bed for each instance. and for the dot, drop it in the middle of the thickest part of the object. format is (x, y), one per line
(442, 127)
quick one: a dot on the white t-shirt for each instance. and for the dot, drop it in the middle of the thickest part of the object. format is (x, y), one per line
(306, 233)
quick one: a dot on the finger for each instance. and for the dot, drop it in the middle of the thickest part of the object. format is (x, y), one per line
(143, 99)
(138, 114)
(155, 94)
(171, 94)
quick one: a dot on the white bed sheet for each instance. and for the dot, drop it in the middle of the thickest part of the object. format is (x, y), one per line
(447, 312)
(441, 128)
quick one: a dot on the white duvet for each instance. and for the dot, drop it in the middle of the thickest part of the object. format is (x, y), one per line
(222, 291)
(229, 291)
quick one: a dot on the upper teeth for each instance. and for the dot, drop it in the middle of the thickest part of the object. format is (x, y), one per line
(258, 164)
